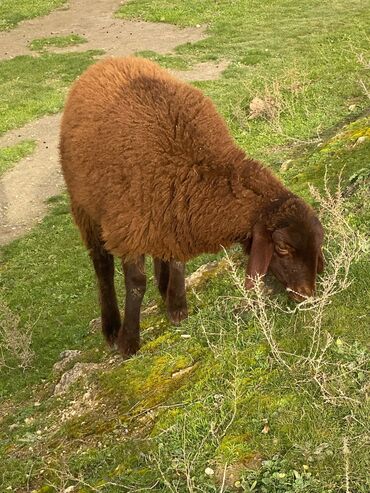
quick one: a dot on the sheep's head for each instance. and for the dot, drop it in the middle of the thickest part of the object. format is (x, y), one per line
(288, 244)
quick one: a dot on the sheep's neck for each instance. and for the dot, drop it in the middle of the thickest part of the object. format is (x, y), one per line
(231, 205)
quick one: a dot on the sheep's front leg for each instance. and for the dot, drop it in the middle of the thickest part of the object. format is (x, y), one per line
(128, 340)
(176, 294)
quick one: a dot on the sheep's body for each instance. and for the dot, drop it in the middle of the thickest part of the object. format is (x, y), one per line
(140, 155)
(151, 169)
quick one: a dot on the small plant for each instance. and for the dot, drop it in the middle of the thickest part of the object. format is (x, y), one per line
(275, 476)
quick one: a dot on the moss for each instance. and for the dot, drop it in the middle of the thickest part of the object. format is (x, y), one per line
(144, 382)
(45, 489)
(90, 424)
(234, 448)
(159, 343)
(341, 154)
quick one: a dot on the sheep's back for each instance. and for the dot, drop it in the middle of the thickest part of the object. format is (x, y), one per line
(134, 141)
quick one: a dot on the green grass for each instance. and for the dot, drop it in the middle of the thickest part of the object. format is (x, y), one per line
(312, 58)
(167, 61)
(41, 44)
(32, 87)
(12, 12)
(56, 292)
(149, 425)
(12, 154)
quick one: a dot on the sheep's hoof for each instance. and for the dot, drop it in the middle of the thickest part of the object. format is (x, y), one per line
(127, 344)
(178, 315)
(111, 328)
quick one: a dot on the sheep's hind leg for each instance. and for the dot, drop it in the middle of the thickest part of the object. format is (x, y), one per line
(103, 263)
(162, 276)
(128, 340)
(110, 316)
(176, 294)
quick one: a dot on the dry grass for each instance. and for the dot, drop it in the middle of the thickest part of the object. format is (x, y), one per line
(15, 342)
(278, 97)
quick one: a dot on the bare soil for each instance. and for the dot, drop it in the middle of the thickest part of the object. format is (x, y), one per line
(26, 187)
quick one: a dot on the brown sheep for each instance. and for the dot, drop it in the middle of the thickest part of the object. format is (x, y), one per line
(151, 169)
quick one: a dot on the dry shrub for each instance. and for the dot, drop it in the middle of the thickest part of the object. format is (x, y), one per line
(342, 379)
(15, 342)
(277, 97)
(343, 247)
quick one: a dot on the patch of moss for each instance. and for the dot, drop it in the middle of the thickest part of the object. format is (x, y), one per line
(90, 424)
(159, 343)
(234, 448)
(342, 154)
(144, 382)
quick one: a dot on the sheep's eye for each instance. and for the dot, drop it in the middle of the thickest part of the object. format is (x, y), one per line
(282, 249)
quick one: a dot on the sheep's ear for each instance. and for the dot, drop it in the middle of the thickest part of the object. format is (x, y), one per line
(260, 254)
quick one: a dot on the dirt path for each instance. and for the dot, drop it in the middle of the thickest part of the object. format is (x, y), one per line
(94, 19)
(25, 188)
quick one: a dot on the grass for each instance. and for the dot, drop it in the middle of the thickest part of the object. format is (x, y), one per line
(41, 44)
(10, 155)
(312, 60)
(11, 13)
(32, 87)
(207, 406)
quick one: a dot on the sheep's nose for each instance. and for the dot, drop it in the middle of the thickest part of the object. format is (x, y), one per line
(305, 291)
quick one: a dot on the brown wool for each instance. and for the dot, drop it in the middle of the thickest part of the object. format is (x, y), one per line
(151, 167)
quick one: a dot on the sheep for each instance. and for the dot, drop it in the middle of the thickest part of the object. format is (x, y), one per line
(151, 169)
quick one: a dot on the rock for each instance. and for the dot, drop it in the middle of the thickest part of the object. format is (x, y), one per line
(182, 372)
(284, 167)
(71, 376)
(65, 358)
(361, 140)
(69, 489)
(95, 324)
(197, 277)
(69, 353)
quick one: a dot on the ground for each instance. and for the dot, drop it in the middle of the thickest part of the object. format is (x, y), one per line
(243, 396)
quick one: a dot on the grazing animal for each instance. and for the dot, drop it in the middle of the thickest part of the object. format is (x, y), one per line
(151, 169)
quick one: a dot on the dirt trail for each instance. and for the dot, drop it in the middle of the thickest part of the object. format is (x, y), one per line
(94, 19)
(25, 188)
